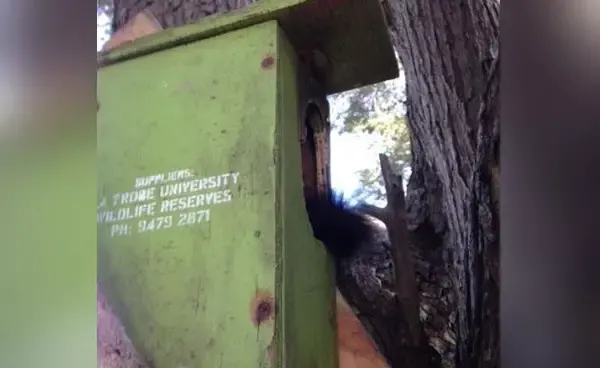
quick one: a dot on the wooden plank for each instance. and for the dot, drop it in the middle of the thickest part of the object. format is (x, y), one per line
(355, 347)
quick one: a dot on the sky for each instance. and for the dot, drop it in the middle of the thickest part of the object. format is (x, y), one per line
(350, 152)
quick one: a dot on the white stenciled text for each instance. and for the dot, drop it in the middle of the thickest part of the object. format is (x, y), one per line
(164, 201)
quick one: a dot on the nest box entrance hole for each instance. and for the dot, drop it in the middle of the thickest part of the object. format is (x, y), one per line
(315, 151)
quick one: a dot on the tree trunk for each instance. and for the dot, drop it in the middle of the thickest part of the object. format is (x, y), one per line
(173, 13)
(449, 52)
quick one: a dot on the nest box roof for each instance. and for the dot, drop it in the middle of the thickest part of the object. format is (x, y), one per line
(347, 40)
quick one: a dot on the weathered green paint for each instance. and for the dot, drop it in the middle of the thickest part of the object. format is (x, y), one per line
(352, 34)
(184, 293)
(307, 278)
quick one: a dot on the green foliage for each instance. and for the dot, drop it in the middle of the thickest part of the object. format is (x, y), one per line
(359, 105)
(104, 11)
(376, 110)
(104, 5)
(393, 141)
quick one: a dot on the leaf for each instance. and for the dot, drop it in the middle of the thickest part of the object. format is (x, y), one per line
(376, 110)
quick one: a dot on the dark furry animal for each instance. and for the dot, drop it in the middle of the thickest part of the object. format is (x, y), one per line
(341, 228)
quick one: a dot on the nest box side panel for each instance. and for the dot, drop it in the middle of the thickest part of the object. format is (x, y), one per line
(307, 296)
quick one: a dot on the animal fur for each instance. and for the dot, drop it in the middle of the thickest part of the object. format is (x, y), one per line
(341, 228)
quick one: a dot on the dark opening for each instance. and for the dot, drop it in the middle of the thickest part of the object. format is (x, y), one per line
(312, 120)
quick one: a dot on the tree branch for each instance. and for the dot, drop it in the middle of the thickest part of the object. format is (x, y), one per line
(374, 211)
(405, 279)
(389, 310)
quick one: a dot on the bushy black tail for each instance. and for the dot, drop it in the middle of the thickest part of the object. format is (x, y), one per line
(340, 228)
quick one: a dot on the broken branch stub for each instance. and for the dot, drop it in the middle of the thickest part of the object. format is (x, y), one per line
(405, 279)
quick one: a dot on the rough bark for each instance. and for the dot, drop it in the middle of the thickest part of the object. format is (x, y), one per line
(449, 52)
(394, 288)
(173, 13)
(405, 280)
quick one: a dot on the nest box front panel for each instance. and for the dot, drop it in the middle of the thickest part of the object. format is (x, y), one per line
(186, 202)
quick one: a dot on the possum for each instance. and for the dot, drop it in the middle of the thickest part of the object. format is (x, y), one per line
(348, 233)
(343, 229)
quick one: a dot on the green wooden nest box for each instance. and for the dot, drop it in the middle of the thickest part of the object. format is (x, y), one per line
(206, 137)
